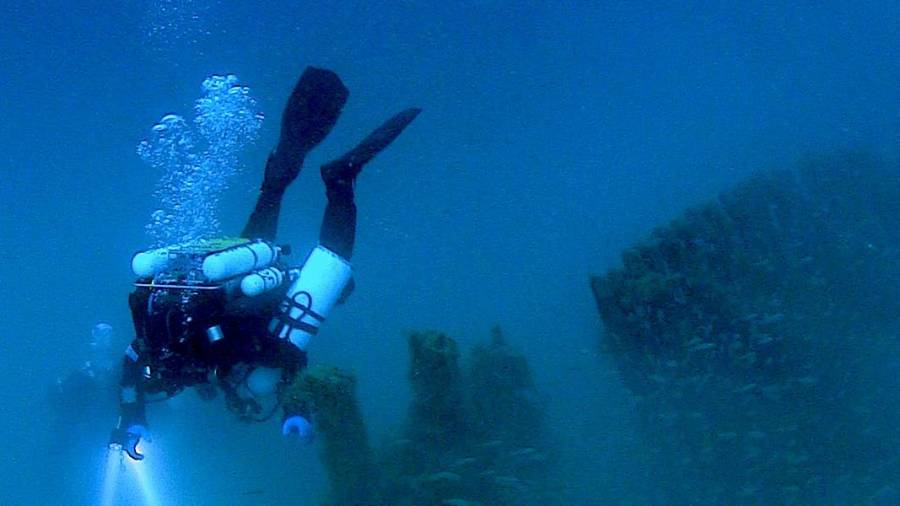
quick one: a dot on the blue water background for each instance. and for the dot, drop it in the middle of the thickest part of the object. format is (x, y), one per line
(554, 134)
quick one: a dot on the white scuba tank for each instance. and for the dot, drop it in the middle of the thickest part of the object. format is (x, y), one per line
(318, 286)
(259, 282)
(239, 259)
(146, 264)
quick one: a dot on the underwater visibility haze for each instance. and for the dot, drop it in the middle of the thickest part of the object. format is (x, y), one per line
(628, 253)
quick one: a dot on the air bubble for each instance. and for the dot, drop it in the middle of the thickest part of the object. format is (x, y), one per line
(197, 159)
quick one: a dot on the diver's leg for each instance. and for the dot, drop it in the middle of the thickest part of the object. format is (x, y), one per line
(263, 221)
(338, 231)
(309, 115)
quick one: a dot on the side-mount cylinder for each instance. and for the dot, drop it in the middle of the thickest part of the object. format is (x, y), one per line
(311, 296)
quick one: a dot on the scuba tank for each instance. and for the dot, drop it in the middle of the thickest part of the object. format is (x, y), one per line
(182, 289)
(317, 287)
(220, 259)
(146, 264)
(240, 259)
(261, 281)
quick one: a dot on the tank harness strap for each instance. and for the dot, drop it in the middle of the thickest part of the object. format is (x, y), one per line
(303, 301)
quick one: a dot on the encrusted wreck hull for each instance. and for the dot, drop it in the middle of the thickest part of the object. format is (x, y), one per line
(759, 334)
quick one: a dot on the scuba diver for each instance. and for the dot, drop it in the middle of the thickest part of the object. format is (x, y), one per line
(90, 387)
(230, 314)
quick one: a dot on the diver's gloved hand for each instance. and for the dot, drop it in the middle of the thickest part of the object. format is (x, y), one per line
(128, 439)
(135, 433)
(299, 426)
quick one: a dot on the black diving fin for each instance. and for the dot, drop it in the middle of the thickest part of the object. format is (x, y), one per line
(347, 167)
(309, 115)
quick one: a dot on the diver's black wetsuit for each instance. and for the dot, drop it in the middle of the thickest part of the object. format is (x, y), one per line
(168, 354)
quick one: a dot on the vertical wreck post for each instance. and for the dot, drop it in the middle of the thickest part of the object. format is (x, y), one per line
(437, 420)
(330, 394)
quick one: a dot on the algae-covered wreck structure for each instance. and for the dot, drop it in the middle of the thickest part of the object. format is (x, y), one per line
(472, 435)
(760, 335)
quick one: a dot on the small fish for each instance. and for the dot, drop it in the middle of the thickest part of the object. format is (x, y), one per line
(774, 318)
(459, 502)
(668, 416)
(753, 452)
(657, 378)
(702, 347)
(523, 452)
(763, 339)
(748, 490)
(442, 476)
(509, 481)
(862, 410)
(745, 389)
(465, 461)
(796, 458)
(772, 392)
(808, 380)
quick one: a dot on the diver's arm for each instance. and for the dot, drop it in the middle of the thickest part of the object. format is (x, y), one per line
(131, 392)
(132, 424)
(297, 419)
(292, 361)
(131, 386)
(263, 221)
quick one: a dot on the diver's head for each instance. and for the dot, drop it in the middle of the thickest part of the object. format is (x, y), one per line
(101, 336)
(252, 391)
(252, 381)
(100, 345)
(263, 381)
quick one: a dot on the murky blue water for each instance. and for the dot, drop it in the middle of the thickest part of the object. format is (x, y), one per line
(553, 136)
